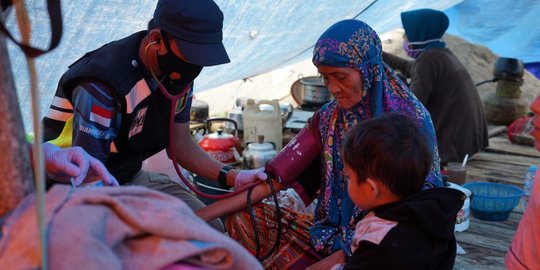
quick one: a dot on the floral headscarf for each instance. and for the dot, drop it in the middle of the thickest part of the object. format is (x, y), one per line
(353, 44)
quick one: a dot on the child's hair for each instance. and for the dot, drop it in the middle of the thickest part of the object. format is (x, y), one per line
(390, 149)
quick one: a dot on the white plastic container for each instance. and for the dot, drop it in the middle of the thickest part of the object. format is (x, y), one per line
(463, 216)
(263, 122)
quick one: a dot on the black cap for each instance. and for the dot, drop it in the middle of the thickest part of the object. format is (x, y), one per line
(197, 28)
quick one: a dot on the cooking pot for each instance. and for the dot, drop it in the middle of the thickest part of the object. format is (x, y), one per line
(236, 115)
(222, 146)
(199, 111)
(258, 154)
(508, 69)
(310, 91)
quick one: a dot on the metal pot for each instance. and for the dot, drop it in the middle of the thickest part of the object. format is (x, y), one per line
(199, 111)
(224, 147)
(258, 154)
(508, 69)
(236, 115)
(310, 91)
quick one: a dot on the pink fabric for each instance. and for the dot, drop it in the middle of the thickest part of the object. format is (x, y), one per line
(524, 253)
(371, 228)
(116, 228)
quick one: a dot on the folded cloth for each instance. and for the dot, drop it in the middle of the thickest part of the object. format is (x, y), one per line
(116, 228)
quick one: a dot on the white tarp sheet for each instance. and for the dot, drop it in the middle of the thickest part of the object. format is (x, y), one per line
(261, 35)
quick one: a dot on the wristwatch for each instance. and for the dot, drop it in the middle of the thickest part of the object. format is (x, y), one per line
(222, 177)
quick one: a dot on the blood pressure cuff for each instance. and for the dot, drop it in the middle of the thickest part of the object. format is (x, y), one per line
(298, 164)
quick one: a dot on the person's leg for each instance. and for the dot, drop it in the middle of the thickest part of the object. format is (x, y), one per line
(162, 182)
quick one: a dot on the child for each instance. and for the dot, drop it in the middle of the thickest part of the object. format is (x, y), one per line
(405, 227)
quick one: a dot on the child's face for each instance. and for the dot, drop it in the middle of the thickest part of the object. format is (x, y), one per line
(361, 193)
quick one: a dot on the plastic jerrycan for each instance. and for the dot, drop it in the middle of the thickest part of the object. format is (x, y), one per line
(263, 122)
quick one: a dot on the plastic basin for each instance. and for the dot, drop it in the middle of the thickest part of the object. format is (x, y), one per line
(493, 201)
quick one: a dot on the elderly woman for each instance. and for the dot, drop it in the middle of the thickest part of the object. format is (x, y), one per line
(442, 84)
(348, 56)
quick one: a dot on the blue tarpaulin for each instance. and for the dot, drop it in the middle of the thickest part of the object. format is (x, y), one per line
(260, 35)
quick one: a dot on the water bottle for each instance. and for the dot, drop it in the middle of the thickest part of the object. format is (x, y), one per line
(528, 184)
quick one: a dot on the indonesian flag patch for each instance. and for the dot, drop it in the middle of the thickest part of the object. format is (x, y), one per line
(100, 115)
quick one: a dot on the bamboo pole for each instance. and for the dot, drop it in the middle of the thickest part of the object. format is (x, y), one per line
(16, 179)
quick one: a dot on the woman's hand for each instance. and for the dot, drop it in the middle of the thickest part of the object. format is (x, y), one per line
(63, 164)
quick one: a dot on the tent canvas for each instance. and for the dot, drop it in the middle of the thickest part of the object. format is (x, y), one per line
(265, 35)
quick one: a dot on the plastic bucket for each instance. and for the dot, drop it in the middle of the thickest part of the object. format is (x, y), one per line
(463, 216)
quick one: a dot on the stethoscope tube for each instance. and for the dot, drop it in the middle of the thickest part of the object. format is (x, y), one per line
(170, 148)
(172, 155)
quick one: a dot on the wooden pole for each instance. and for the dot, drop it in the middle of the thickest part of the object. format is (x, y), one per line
(15, 166)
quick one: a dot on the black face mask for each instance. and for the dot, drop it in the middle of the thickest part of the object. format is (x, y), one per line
(170, 63)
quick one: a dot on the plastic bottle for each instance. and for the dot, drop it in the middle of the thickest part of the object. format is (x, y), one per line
(528, 184)
(263, 122)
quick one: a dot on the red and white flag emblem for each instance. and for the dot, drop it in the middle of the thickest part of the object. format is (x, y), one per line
(100, 115)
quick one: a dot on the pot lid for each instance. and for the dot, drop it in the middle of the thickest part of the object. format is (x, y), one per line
(260, 145)
(312, 80)
(219, 135)
(197, 103)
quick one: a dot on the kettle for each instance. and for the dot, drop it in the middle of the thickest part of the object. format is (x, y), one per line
(223, 147)
(258, 154)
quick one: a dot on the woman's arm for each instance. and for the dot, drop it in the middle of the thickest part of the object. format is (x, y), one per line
(238, 202)
(397, 63)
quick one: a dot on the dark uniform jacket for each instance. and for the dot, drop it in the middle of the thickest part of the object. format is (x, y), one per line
(120, 116)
